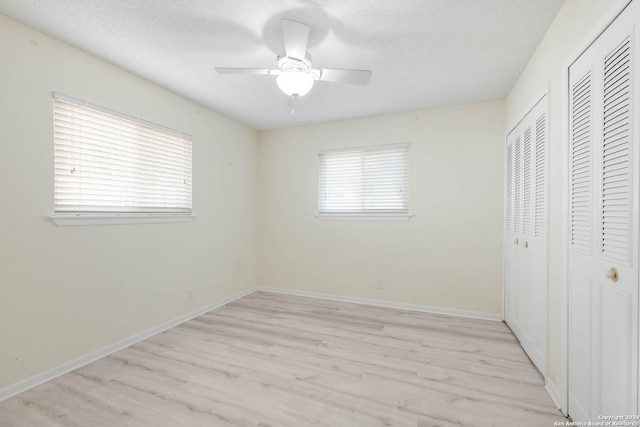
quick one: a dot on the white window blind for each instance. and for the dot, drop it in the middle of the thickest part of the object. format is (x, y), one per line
(367, 180)
(108, 163)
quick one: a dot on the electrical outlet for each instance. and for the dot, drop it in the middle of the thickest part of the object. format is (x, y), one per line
(379, 284)
(189, 294)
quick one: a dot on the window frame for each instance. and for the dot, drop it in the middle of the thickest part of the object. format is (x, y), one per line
(364, 214)
(112, 215)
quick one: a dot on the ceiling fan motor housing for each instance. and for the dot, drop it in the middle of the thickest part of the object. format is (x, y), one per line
(287, 63)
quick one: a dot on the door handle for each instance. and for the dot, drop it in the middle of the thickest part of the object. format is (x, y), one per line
(526, 245)
(516, 241)
(612, 274)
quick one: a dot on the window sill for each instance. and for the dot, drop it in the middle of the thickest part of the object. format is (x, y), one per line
(72, 220)
(364, 217)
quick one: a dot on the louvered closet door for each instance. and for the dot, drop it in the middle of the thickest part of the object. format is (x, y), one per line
(512, 222)
(525, 233)
(535, 235)
(603, 238)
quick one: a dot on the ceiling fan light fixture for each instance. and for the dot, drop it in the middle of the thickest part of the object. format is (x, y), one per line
(295, 83)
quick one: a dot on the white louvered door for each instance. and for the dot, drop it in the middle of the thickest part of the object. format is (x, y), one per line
(513, 284)
(603, 224)
(525, 233)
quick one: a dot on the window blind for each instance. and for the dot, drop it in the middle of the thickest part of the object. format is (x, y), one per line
(105, 162)
(367, 180)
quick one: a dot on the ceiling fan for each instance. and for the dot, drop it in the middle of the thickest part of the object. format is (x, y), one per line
(295, 73)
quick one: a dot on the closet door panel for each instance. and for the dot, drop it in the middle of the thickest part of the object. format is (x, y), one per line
(603, 241)
(618, 224)
(582, 247)
(525, 242)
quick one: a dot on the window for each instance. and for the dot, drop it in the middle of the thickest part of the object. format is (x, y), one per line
(364, 183)
(111, 165)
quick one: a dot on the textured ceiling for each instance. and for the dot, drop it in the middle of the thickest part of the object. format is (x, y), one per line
(423, 53)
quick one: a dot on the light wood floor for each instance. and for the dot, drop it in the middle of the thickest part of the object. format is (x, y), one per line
(277, 360)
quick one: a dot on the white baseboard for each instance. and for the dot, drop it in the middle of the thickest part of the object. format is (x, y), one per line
(390, 304)
(26, 384)
(557, 398)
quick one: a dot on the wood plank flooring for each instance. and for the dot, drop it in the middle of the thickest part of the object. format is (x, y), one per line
(269, 359)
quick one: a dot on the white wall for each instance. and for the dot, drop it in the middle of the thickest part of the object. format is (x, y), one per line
(65, 292)
(448, 255)
(571, 26)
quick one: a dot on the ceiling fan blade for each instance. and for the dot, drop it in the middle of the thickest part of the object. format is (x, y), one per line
(295, 37)
(226, 70)
(354, 77)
